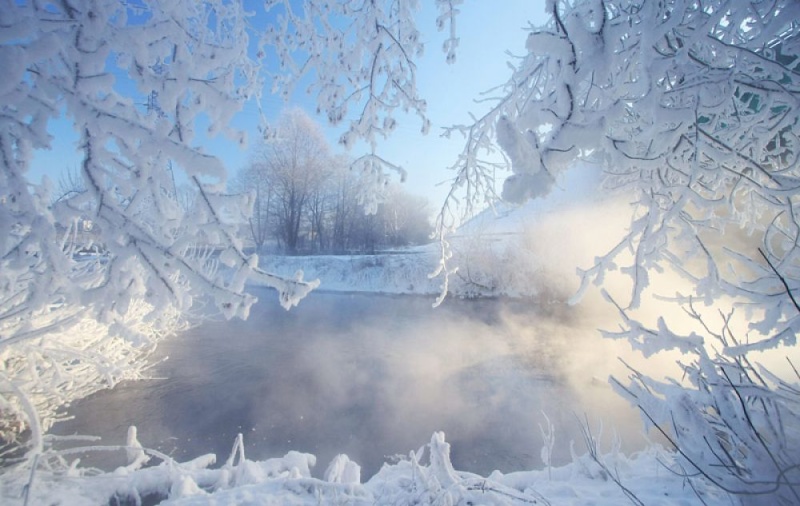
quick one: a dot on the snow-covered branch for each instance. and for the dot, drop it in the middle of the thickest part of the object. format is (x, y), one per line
(691, 109)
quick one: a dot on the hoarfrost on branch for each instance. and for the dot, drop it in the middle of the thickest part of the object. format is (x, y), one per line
(691, 108)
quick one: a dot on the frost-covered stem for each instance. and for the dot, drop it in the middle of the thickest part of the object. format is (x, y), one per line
(679, 449)
(32, 415)
(796, 372)
(511, 493)
(781, 278)
(18, 337)
(29, 485)
(114, 448)
(236, 451)
(764, 445)
(443, 269)
(594, 453)
(548, 437)
(374, 160)
(470, 281)
(562, 30)
(447, 17)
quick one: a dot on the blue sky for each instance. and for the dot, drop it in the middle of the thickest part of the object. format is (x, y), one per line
(487, 30)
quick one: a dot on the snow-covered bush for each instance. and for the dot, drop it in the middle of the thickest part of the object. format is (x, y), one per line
(732, 421)
(492, 264)
(425, 476)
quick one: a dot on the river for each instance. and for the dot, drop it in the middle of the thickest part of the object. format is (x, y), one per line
(373, 377)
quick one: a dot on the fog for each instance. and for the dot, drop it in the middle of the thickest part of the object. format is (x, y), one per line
(374, 376)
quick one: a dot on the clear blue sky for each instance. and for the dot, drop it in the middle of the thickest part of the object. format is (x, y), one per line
(487, 30)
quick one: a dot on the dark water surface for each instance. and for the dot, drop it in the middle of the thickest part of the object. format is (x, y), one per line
(370, 376)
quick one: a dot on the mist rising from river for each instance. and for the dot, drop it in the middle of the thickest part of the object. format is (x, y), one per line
(372, 377)
(375, 376)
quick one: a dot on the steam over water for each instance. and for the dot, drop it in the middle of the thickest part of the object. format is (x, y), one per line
(373, 376)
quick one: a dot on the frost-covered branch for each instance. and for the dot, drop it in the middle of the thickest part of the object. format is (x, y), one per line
(362, 57)
(359, 60)
(691, 110)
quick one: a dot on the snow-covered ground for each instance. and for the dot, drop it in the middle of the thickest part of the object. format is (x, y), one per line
(404, 272)
(426, 476)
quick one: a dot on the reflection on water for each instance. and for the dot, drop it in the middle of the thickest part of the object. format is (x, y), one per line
(372, 377)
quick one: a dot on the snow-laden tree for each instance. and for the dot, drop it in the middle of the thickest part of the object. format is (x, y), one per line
(294, 165)
(252, 179)
(405, 218)
(692, 108)
(136, 79)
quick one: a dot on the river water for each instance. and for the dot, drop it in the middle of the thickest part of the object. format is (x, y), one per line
(373, 377)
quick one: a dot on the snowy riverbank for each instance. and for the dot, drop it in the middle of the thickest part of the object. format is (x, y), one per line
(508, 251)
(389, 273)
(426, 476)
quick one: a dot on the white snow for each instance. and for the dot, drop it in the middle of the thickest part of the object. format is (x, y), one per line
(424, 477)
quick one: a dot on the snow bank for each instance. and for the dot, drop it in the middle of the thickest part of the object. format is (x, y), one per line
(489, 266)
(426, 476)
(390, 273)
(495, 254)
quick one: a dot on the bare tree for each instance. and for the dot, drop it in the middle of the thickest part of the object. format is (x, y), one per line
(405, 218)
(293, 165)
(345, 209)
(253, 179)
(311, 204)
